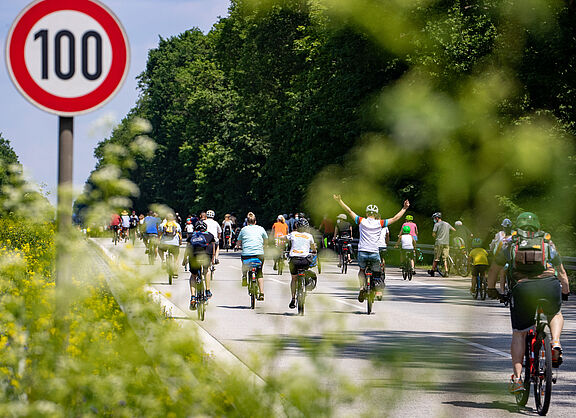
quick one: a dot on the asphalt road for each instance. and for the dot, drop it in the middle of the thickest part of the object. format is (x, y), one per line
(428, 349)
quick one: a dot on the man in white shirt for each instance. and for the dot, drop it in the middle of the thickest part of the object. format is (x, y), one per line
(370, 232)
(216, 230)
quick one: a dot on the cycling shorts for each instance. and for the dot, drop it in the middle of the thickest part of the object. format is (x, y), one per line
(198, 261)
(525, 297)
(296, 263)
(372, 259)
(478, 268)
(172, 249)
(246, 266)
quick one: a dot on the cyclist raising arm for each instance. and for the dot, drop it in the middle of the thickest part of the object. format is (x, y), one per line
(370, 230)
(252, 238)
(535, 268)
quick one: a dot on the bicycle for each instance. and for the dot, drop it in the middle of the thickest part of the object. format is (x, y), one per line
(407, 271)
(369, 288)
(451, 266)
(301, 290)
(116, 236)
(151, 247)
(537, 366)
(252, 273)
(344, 255)
(201, 298)
(170, 263)
(461, 263)
(481, 286)
(281, 246)
(226, 242)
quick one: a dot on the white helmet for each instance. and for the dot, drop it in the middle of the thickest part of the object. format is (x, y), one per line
(372, 208)
(342, 216)
(458, 223)
(210, 214)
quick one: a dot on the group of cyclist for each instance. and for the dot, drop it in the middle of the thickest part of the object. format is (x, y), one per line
(521, 257)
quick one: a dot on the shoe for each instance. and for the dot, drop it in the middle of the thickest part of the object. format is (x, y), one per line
(556, 354)
(193, 303)
(362, 295)
(472, 290)
(379, 296)
(216, 261)
(274, 267)
(431, 273)
(244, 281)
(339, 264)
(260, 296)
(515, 385)
(208, 294)
(292, 304)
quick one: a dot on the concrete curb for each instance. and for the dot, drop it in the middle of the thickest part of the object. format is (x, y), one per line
(212, 347)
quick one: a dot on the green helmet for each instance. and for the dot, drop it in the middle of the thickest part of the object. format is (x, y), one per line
(528, 221)
(405, 229)
(409, 217)
(476, 243)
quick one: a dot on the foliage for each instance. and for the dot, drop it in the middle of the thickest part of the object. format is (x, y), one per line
(443, 102)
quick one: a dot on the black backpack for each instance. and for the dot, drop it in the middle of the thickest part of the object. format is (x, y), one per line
(530, 252)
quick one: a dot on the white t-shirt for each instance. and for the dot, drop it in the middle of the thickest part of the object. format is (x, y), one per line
(382, 240)
(300, 243)
(406, 240)
(189, 228)
(214, 228)
(125, 221)
(370, 230)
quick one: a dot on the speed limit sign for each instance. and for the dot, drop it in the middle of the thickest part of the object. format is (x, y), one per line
(67, 57)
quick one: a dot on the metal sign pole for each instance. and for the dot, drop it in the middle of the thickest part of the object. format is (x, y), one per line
(64, 210)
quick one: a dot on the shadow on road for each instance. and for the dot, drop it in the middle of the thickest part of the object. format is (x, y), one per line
(504, 406)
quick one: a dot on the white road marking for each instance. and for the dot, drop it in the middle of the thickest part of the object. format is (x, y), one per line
(482, 347)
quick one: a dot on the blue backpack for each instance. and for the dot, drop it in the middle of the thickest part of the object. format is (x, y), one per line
(199, 239)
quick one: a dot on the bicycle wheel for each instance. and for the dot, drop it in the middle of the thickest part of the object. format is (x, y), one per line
(404, 272)
(483, 289)
(252, 289)
(522, 397)
(319, 264)
(201, 308)
(169, 266)
(476, 293)
(369, 301)
(543, 378)
(280, 266)
(410, 273)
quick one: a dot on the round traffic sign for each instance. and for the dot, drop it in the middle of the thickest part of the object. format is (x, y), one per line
(67, 57)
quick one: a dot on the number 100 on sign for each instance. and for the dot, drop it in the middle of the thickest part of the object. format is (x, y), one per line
(64, 58)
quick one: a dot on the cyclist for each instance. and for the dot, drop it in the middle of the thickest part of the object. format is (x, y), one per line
(170, 241)
(252, 238)
(535, 268)
(201, 250)
(408, 244)
(125, 224)
(215, 229)
(463, 232)
(188, 230)
(227, 228)
(441, 233)
(496, 246)
(410, 224)
(151, 231)
(343, 231)
(370, 230)
(301, 245)
(382, 248)
(478, 259)
(280, 230)
(134, 222)
(327, 229)
(115, 224)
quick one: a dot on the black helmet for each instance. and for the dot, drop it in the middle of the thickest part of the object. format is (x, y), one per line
(200, 226)
(302, 223)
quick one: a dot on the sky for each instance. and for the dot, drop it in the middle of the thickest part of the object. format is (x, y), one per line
(33, 133)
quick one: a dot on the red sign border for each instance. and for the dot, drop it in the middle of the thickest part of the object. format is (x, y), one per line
(67, 106)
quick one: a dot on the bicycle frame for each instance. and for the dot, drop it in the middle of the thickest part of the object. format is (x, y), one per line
(301, 290)
(201, 299)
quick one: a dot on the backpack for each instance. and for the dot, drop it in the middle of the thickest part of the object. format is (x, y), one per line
(170, 229)
(530, 252)
(198, 239)
(133, 222)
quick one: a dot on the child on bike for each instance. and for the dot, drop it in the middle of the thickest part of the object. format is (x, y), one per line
(478, 259)
(408, 246)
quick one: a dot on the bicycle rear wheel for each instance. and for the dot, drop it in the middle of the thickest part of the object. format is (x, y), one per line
(410, 273)
(280, 265)
(543, 377)
(484, 289)
(369, 301)
(522, 397)
(404, 272)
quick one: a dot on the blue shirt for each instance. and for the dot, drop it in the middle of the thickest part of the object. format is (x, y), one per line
(151, 224)
(252, 237)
